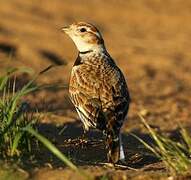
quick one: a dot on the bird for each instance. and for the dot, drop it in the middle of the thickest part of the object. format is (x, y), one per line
(98, 88)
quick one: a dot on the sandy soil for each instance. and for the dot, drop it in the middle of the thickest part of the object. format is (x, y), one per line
(149, 39)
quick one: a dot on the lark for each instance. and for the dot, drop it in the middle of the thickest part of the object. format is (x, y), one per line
(98, 88)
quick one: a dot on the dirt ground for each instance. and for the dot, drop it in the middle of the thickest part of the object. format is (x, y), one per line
(150, 41)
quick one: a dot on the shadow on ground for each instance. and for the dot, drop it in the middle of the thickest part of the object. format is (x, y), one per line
(87, 149)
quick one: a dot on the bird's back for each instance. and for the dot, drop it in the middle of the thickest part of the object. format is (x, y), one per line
(97, 89)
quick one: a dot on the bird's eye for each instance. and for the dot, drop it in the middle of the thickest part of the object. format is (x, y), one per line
(83, 30)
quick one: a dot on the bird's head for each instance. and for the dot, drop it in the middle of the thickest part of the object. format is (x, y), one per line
(85, 36)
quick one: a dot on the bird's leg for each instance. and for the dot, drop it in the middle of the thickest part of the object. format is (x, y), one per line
(84, 136)
(113, 147)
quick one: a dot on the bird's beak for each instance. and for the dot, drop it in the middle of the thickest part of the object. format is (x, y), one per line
(65, 29)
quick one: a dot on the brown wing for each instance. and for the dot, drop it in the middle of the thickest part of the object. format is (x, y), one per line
(115, 96)
(96, 90)
(84, 93)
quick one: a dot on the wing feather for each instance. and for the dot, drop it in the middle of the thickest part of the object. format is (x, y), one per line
(96, 90)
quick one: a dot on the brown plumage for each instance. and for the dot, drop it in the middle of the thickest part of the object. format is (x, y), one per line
(98, 88)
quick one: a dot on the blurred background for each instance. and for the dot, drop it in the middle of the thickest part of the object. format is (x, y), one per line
(149, 39)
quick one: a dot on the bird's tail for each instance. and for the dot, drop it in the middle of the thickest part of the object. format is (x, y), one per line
(113, 139)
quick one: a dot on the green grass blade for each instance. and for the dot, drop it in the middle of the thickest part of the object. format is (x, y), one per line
(51, 147)
(153, 133)
(16, 142)
(173, 154)
(147, 145)
(3, 82)
(187, 139)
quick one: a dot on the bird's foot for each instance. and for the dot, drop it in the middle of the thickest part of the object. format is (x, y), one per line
(83, 139)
